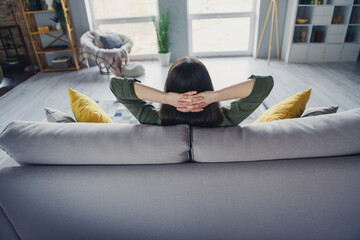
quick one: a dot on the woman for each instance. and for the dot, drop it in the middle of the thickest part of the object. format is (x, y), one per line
(189, 97)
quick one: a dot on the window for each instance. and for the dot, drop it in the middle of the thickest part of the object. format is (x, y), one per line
(220, 27)
(132, 18)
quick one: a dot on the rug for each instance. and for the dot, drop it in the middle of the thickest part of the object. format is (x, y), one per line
(119, 113)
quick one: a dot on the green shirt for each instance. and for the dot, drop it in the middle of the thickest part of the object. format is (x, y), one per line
(123, 89)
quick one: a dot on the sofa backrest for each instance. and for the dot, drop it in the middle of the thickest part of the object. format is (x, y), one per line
(319, 136)
(101, 144)
(95, 143)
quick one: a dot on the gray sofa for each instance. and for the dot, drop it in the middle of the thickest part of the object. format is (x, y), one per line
(288, 179)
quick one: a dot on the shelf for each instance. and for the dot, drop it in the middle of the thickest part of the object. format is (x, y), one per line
(353, 34)
(331, 34)
(341, 15)
(51, 31)
(318, 34)
(301, 34)
(306, 3)
(47, 42)
(42, 11)
(355, 15)
(304, 12)
(54, 50)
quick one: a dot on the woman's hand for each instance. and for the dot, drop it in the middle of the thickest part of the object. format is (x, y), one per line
(197, 102)
(184, 102)
(207, 98)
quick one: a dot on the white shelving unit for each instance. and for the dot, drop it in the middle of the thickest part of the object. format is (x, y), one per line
(329, 32)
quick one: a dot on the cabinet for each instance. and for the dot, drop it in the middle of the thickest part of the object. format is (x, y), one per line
(322, 31)
(68, 47)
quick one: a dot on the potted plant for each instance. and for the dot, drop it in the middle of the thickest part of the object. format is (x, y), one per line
(60, 16)
(162, 34)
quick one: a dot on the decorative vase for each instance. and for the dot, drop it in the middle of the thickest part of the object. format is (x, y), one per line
(58, 26)
(303, 34)
(49, 4)
(164, 58)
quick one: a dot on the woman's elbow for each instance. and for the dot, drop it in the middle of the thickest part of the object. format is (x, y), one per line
(116, 86)
(264, 87)
(113, 84)
(269, 86)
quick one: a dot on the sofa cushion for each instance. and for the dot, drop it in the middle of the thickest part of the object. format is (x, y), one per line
(94, 143)
(319, 136)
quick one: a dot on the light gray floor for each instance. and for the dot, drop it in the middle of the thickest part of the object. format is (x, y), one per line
(333, 84)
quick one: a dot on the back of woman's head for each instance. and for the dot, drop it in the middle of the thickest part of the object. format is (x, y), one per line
(189, 74)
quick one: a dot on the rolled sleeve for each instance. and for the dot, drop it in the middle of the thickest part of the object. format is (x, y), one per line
(240, 109)
(262, 87)
(123, 89)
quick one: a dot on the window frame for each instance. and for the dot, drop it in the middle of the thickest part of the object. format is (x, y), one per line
(94, 25)
(198, 16)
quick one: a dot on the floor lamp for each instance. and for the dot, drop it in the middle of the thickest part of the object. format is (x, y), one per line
(274, 7)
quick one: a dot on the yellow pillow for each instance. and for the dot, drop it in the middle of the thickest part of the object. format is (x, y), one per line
(86, 109)
(291, 107)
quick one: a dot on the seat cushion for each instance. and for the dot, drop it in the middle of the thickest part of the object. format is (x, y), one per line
(335, 134)
(94, 143)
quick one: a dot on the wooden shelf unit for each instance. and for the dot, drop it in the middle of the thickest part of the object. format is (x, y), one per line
(39, 49)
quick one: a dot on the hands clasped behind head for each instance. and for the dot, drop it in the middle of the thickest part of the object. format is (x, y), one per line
(190, 102)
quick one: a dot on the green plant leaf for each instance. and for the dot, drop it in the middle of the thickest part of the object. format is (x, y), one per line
(60, 15)
(162, 31)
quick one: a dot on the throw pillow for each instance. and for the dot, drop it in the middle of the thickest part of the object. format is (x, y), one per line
(291, 107)
(86, 109)
(111, 41)
(56, 116)
(319, 111)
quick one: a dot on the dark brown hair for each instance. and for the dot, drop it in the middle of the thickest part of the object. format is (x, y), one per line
(189, 74)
